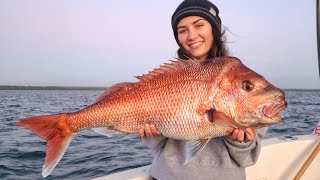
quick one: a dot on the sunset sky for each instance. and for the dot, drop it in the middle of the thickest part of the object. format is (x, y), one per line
(100, 43)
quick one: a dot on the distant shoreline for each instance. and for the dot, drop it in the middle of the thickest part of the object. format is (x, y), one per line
(5, 87)
(51, 88)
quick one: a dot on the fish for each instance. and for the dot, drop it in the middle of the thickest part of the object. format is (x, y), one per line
(185, 100)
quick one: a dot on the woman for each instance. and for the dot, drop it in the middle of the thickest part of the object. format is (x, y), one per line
(197, 29)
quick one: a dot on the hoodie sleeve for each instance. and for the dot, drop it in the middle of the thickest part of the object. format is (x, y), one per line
(245, 154)
(154, 143)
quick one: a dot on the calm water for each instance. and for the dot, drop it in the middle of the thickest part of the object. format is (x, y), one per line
(92, 155)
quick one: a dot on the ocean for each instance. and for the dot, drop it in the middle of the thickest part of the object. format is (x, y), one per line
(91, 155)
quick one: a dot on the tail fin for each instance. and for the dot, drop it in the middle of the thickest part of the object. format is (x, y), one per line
(55, 131)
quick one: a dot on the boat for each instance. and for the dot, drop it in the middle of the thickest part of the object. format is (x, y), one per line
(280, 159)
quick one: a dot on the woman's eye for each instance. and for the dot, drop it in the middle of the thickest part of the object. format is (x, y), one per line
(199, 25)
(182, 31)
(247, 85)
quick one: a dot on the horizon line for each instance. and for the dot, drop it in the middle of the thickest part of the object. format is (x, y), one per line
(54, 87)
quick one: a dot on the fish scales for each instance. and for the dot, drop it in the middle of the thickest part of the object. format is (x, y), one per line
(150, 100)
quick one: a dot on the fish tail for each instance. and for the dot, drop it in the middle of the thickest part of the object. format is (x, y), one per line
(56, 132)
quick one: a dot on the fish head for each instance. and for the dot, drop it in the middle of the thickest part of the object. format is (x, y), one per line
(248, 97)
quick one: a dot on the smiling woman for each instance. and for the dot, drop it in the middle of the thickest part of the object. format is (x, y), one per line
(195, 36)
(197, 30)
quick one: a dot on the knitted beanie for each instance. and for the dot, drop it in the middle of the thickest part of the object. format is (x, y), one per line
(203, 8)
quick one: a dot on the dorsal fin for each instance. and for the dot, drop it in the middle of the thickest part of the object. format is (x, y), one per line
(167, 67)
(120, 88)
(113, 90)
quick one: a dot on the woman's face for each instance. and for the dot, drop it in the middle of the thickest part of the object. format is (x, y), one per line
(195, 36)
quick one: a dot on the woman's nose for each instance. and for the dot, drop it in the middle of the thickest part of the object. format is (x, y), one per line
(192, 34)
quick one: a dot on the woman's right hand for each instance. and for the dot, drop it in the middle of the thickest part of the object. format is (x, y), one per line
(149, 131)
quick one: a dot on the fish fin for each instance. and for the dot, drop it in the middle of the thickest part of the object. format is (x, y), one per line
(194, 147)
(204, 108)
(57, 134)
(224, 120)
(166, 68)
(106, 132)
(113, 90)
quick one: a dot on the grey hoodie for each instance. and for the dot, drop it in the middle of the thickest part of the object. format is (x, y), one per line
(221, 159)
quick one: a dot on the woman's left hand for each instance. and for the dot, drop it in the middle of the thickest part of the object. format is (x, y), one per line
(241, 136)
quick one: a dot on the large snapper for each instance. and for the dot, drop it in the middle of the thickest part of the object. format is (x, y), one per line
(184, 99)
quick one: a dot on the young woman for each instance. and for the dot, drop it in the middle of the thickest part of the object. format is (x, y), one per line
(197, 29)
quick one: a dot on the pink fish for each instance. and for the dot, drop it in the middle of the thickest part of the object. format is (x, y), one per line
(184, 99)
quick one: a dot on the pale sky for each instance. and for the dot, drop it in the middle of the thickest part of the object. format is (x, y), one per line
(100, 43)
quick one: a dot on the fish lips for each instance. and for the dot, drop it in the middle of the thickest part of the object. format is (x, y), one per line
(272, 110)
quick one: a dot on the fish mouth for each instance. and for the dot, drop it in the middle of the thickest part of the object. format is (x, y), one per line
(272, 110)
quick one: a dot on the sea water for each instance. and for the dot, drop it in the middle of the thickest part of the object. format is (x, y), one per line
(91, 155)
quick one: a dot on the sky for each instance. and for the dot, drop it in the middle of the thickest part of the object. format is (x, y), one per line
(100, 43)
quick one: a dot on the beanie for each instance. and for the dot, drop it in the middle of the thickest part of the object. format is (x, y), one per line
(203, 8)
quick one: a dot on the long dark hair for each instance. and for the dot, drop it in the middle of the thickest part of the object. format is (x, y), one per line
(217, 49)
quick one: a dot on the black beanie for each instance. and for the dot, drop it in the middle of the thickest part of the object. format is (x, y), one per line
(201, 8)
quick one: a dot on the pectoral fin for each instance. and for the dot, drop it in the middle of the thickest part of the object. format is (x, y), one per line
(222, 119)
(194, 148)
(204, 107)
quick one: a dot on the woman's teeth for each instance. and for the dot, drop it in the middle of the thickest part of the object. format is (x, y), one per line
(195, 44)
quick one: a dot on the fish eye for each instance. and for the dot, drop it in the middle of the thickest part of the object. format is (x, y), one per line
(247, 85)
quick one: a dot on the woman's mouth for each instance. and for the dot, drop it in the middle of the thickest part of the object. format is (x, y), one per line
(195, 45)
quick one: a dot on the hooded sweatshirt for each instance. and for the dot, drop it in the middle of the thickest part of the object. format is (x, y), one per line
(221, 159)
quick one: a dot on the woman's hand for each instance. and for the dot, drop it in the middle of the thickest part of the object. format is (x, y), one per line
(149, 131)
(241, 136)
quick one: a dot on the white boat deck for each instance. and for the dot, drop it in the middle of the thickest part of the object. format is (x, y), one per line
(280, 159)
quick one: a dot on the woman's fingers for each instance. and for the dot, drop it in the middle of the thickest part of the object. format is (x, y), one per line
(250, 137)
(242, 136)
(154, 130)
(149, 131)
(234, 134)
(141, 133)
